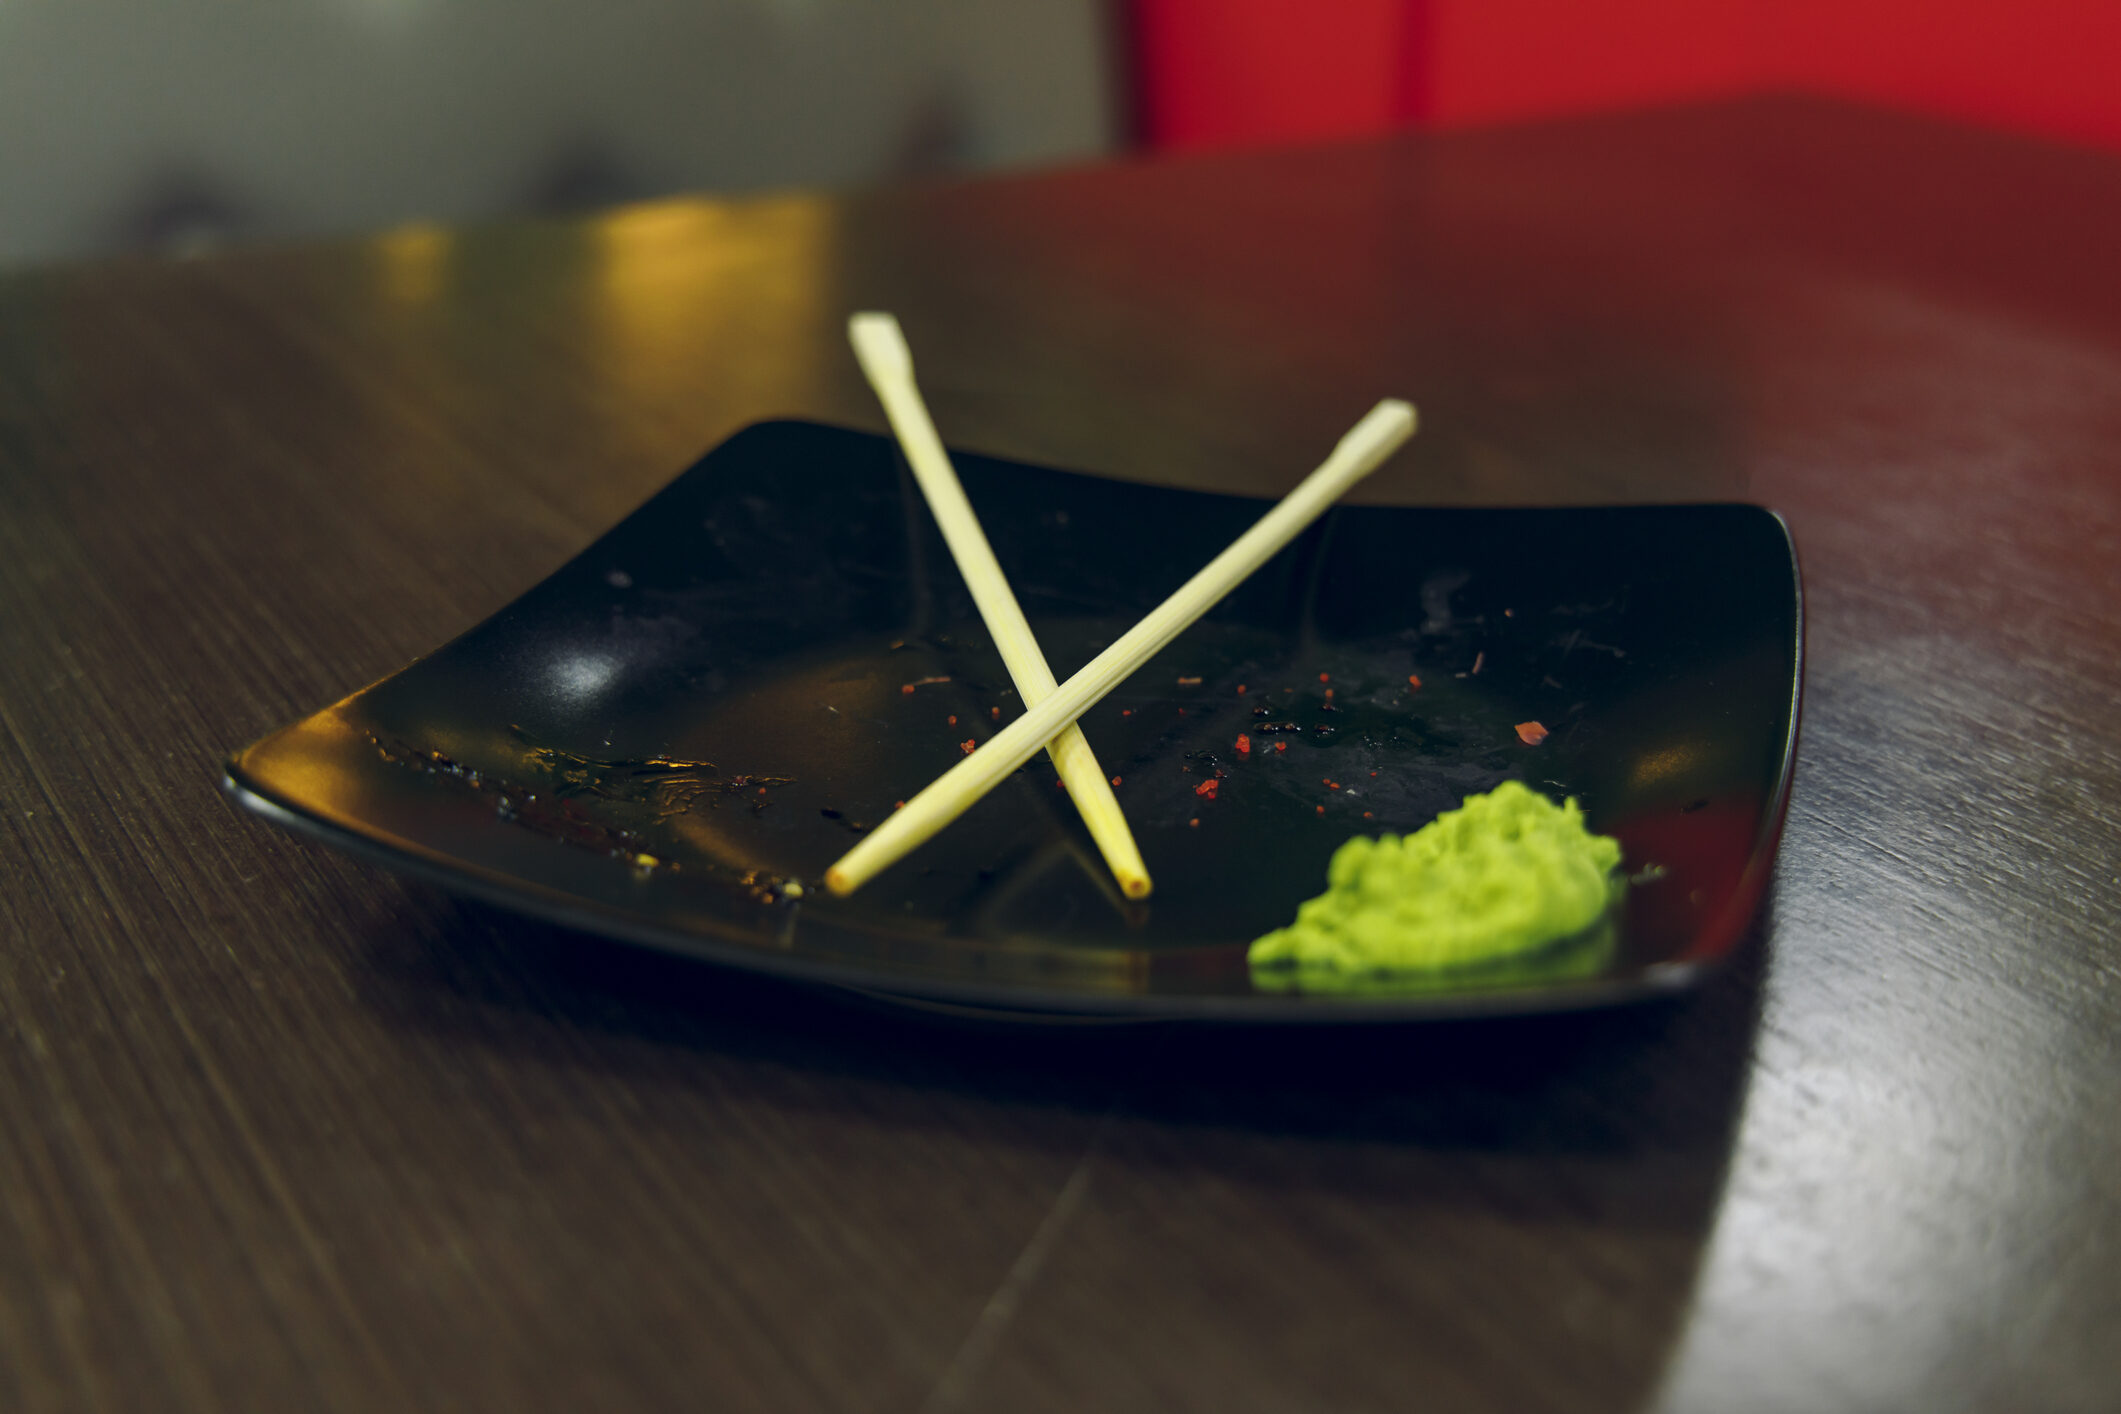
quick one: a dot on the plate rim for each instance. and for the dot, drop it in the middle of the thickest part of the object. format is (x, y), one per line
(1033, 1001)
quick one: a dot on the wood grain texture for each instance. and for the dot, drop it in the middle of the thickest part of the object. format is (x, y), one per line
(277, 1131)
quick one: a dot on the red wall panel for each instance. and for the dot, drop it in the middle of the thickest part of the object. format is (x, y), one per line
(1217, 73)
(1223, 72)
(1489, 60)
(2040, 66)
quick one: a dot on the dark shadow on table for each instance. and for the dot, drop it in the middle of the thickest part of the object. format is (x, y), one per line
(1600, 1137)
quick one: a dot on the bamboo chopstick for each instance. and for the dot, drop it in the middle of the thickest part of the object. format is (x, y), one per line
(1360, 452)
(880, 348)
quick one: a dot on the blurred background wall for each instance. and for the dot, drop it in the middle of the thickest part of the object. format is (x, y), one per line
(1219, 73)
(174, 125)
(178, 124)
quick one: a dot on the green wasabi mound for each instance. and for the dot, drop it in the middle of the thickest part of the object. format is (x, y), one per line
(1506, 875)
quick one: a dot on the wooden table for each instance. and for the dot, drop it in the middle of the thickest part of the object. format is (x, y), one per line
(281, 1132)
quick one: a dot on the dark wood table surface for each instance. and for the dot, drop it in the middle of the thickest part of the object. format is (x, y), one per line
(279, 1131)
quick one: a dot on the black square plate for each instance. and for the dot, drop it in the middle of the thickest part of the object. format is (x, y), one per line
(718, 696)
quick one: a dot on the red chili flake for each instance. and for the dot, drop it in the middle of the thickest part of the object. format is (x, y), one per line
(1321, 810)
(1240, 689)
(1181, 711)
(1531, 733)
(1115, 780)
(1244, 744)
(1329, 694)
(967, 744)
(953, 720)
(995, 712)
(762, 790)
(1126, 711)
(1281, 746)
(1189, 682)
(899, 805)
(921, 682)
(1207, 788)
(1325, 677)
(1413, 681)
(1373, 775)
(1365, 814)
(1194, 822)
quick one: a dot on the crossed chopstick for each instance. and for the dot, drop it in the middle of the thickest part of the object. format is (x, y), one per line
(1050, 709)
